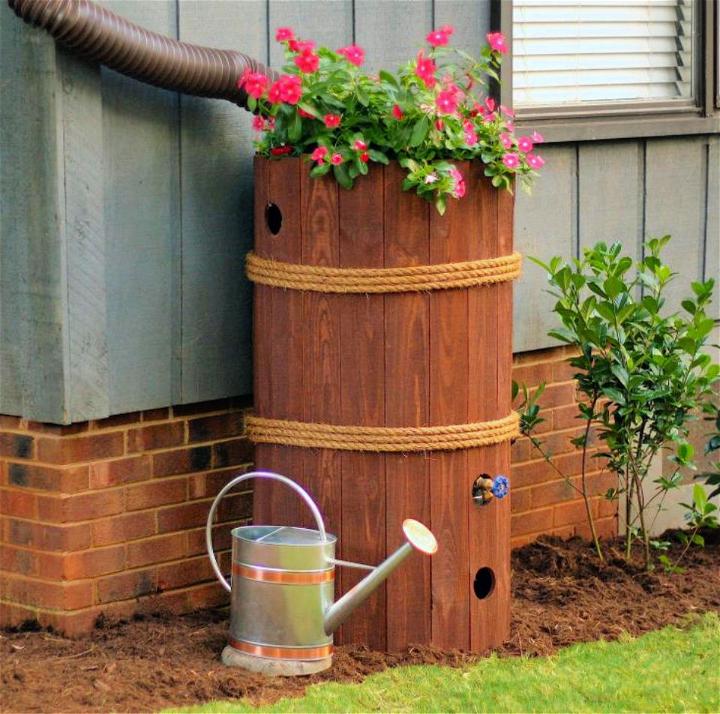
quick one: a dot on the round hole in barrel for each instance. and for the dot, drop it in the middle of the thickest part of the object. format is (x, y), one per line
(273, 217)
(484, 583)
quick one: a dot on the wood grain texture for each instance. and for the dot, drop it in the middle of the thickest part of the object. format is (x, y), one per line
(450, 237)
(33, 329)
(320, 331)
(407, 403)
(362, 401)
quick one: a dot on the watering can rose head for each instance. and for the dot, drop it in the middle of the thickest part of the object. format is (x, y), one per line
(434, 110)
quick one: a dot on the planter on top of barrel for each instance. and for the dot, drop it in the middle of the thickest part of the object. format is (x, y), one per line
(382, 325)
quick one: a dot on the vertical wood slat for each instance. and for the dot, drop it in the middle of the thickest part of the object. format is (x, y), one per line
(362, 401)
(407, 401)
(141, 170)
(448, 367)
(320, 328)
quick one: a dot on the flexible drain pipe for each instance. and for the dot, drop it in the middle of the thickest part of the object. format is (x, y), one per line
(102, 36)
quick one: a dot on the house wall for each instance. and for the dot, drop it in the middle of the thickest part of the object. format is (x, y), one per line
(126, 210)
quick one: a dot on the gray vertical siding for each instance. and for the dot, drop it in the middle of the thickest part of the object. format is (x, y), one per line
(127, 210)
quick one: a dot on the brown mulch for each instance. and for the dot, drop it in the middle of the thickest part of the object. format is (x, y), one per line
(561, 595)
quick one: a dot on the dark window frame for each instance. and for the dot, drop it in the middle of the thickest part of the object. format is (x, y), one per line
(625, 120)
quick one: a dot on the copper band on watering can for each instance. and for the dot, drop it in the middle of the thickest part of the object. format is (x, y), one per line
(272, 652)
(286, 577)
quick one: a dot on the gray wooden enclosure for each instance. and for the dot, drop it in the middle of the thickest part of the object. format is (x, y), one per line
(127, 210)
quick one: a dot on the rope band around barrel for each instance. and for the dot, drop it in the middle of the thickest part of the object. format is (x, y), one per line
(324, 279)
(382, 438)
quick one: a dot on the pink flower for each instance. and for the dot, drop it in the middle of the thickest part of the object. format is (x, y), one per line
(439, 124)
(535, 161)
(281, 150)
(537, 137)
(506, 140)
(425, 69)
(258, 123)
(254, 83)
(471, 138)
(287, 89)
(490, 104)
(353, 54)
(319, 154)
(459, 188)
(438, 38)
(301, 45)
(525, 144)
(332, 120)
(270, 124)
(397, 112)
(431, 178)
(496, 40)
(304, 114)
(512, 161)
(282, 34)
(336, 159)
(510, 126)
(364, 157)
(507, 111)
(447, 102)
(291, 88)
(307, 61)
(360, 145)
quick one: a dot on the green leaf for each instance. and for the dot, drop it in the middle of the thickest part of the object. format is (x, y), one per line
(295, 128)
(419, 131)
(378, 156)
(342, 176)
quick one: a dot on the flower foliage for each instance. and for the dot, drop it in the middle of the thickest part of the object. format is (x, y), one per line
(435, 110)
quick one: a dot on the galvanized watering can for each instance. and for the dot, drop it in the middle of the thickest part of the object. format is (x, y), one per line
(283, 580)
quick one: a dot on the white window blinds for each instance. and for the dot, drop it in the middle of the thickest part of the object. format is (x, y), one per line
(575, 51)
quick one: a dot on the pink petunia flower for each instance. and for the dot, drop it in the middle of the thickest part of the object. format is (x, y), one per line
(459, 188)
(512, 161)
(364, 157)
(258, 123)
(537, 137)
(425, 69)
(254, 83)
(275, 93)
(307, 61)
(332, 120)
(525, 144)
(535, 161)
(282, 34)
(353, 54)
(431, 178)
(319, 154)
(506, 140)
(471, 138)
(496, 40)
(397, 112)
(438, 38)
(359, 145)
(490, 104)
(507, 111)
(336, 159)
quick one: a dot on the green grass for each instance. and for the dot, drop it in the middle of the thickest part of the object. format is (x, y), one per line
(671, 670)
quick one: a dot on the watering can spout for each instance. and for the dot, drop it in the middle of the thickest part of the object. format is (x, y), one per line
(417, 536)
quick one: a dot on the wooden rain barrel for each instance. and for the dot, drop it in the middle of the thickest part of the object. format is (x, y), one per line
(402, 359)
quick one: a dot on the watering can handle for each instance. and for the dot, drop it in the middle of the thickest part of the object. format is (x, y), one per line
(246, 477)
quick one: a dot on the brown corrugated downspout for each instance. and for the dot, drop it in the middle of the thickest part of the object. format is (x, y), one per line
(100, 35)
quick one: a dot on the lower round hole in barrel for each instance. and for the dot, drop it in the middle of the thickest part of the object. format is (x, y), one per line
(484, 583)
(273, 217)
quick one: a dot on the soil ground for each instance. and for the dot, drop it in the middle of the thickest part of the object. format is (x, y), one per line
(561, 595)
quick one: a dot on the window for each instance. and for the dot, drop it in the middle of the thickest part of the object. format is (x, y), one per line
(599, 66)
(572, 52)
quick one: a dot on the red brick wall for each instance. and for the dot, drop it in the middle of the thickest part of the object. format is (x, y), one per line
(543, 501)
(96, 516)
(108, 516)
